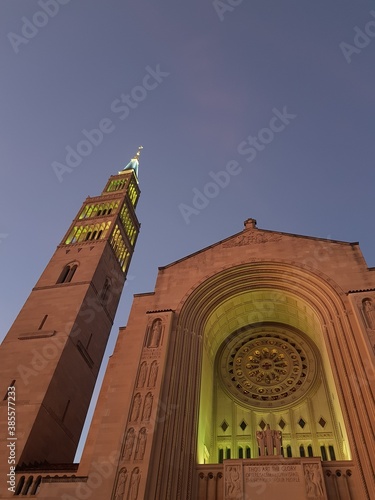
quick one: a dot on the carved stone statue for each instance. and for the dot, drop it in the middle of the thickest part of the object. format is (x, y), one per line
(136, 407)
(141, 444)
(121, 484)
(129, 443)
(278, 441)
(155, 334)
(233, 482)
(368, 313)
(261, 444)
(313, 477)
(147, 407)
(153, 374)
(142, 374)
(269, 434)
(134, 484)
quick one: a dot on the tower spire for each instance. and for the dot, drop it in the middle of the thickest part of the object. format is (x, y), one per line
(133, 163)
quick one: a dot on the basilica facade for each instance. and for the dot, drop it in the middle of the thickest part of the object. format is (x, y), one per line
(246, 374)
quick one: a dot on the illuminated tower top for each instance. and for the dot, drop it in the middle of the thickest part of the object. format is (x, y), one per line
(133, 163)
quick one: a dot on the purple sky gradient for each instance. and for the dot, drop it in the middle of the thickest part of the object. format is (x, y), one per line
(316, 177)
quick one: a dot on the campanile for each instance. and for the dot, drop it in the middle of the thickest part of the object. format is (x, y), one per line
(53, 351)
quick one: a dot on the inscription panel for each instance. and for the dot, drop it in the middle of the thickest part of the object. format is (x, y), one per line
(273, 481)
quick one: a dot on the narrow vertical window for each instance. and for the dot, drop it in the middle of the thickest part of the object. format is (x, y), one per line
(302, 451)
(324, 453)
(289, 451)
(88, 342)
(28, 484)
(248, 452)
(64, 274)
(19, 485)
(67, 274)
(65, 411)
(310, 451)
(105, 290)
(240, 452)
(36, 486)
(71, 273)
(10, 385)
(221, 455)
(42, 322)
(227, 453)
(332, 452)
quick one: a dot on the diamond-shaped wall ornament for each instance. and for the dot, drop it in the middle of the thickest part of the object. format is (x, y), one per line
(322, 422)
(243, 425)
(282, 424)
(301, 423)
(262, 424)
(224, 425)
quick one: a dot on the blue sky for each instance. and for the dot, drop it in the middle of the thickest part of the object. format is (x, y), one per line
(222, 73)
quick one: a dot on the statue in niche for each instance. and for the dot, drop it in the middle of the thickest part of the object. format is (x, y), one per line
(233, 482)
(155, 334)
(129, 443)
(261, 444)
(269, 435)
(278, 441)
(142, 374)
(147, 407)
(368, 313)
(136, 407)
(313, 479)
(141, 444)
(153, 374)
(121, 484)
(134, 484)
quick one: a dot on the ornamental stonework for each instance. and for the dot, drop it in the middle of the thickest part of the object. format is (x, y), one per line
(250, 238)
(267, 368)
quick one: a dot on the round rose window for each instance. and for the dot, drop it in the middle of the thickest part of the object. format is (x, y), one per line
(267, 366)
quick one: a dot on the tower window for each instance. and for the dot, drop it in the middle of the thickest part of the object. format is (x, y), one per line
(289, 451)
(221, 455)
(310, 451)
(302, 451)
(248, 452)
(227, 453)
(28, 484)
(129, 226)
(43, 321)
(85, 233)
(94, 210)
(119, 247)
(133, 192)
(240, 452)
(65, 411)
(67, 274)
(36, 486)
(10, 385)
(323, 451)
(105, 290)
(20, 484)
(116, 185)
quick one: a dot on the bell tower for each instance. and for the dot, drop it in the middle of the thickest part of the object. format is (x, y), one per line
(53, 351)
